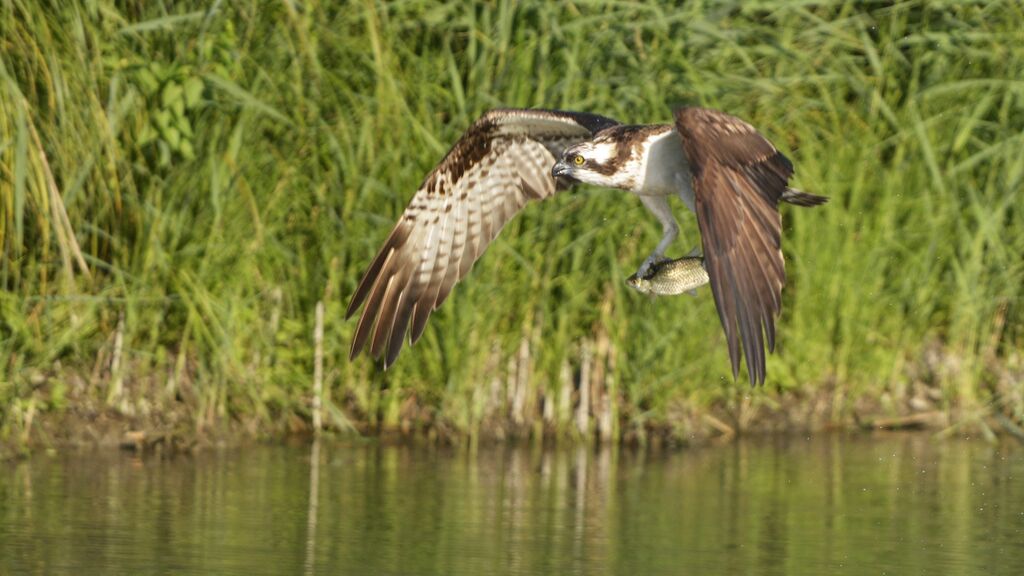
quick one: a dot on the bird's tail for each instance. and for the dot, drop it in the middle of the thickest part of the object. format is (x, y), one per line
(801, 198)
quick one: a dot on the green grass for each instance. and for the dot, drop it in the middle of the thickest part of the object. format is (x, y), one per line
(190, 180)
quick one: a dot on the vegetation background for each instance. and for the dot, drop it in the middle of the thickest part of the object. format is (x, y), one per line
(182, 182)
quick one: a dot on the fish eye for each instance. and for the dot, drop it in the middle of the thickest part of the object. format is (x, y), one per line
(578, 160)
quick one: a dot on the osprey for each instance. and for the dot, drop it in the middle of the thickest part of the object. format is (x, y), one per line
(720, 166)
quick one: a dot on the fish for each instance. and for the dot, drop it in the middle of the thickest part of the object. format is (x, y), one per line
(672, 277)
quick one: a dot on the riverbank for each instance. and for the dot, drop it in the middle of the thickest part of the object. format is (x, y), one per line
(148, 421)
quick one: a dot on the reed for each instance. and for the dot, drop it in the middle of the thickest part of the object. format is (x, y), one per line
(180, 184)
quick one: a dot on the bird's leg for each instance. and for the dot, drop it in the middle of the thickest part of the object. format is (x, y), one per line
(658, 205)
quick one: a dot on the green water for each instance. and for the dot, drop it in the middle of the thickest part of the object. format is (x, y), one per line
(891, 505)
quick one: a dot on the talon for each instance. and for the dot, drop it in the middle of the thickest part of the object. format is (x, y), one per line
(648, 268)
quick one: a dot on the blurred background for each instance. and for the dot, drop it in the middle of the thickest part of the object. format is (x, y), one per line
(182, 182)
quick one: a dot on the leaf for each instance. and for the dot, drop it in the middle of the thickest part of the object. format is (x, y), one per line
(163, 119)
(147, 134)
(165, 153)
(187, 151)
(246, 99)
(172, 93)
(178, 107)
(193, 91)
(185, 127)
(173, 137)
(164, 22)
(147, 81)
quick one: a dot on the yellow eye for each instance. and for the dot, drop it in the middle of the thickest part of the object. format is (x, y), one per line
(578, 160)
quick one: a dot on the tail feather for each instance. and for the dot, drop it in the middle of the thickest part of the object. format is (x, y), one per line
(801, 198)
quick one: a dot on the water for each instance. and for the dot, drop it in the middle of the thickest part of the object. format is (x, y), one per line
(893, 505)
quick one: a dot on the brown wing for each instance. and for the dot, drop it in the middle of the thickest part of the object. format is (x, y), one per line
(738, 179)
(503, 161)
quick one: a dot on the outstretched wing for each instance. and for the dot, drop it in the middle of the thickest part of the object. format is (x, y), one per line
(738, 179)
(503, 161)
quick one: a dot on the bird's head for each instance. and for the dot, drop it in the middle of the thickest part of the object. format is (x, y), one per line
(592, 162)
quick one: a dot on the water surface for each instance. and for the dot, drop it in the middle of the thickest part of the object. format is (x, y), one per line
(890, 505)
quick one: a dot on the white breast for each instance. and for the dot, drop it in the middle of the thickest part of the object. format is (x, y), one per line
(663, 168)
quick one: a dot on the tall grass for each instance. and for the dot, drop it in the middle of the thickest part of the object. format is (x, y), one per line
(181, 183)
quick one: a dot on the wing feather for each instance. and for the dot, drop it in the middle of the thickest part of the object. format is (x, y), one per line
(503, 161)
(452, 266)
(738, 179)
(395, 241)
(385, 322)
(474, 244)
(365, 325)
(418, 294)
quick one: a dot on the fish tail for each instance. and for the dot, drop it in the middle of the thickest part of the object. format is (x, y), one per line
(801, 198)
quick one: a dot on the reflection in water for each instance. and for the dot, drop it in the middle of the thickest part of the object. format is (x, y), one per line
(900, 505)
(314, 501)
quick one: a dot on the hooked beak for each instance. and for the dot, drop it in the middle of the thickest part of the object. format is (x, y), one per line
(560, 169)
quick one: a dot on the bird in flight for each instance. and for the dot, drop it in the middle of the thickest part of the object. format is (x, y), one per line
(720, 166)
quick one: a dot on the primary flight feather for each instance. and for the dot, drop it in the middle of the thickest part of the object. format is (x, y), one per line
(723, 170)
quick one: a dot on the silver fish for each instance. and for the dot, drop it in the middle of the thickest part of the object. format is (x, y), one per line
(672, 277)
